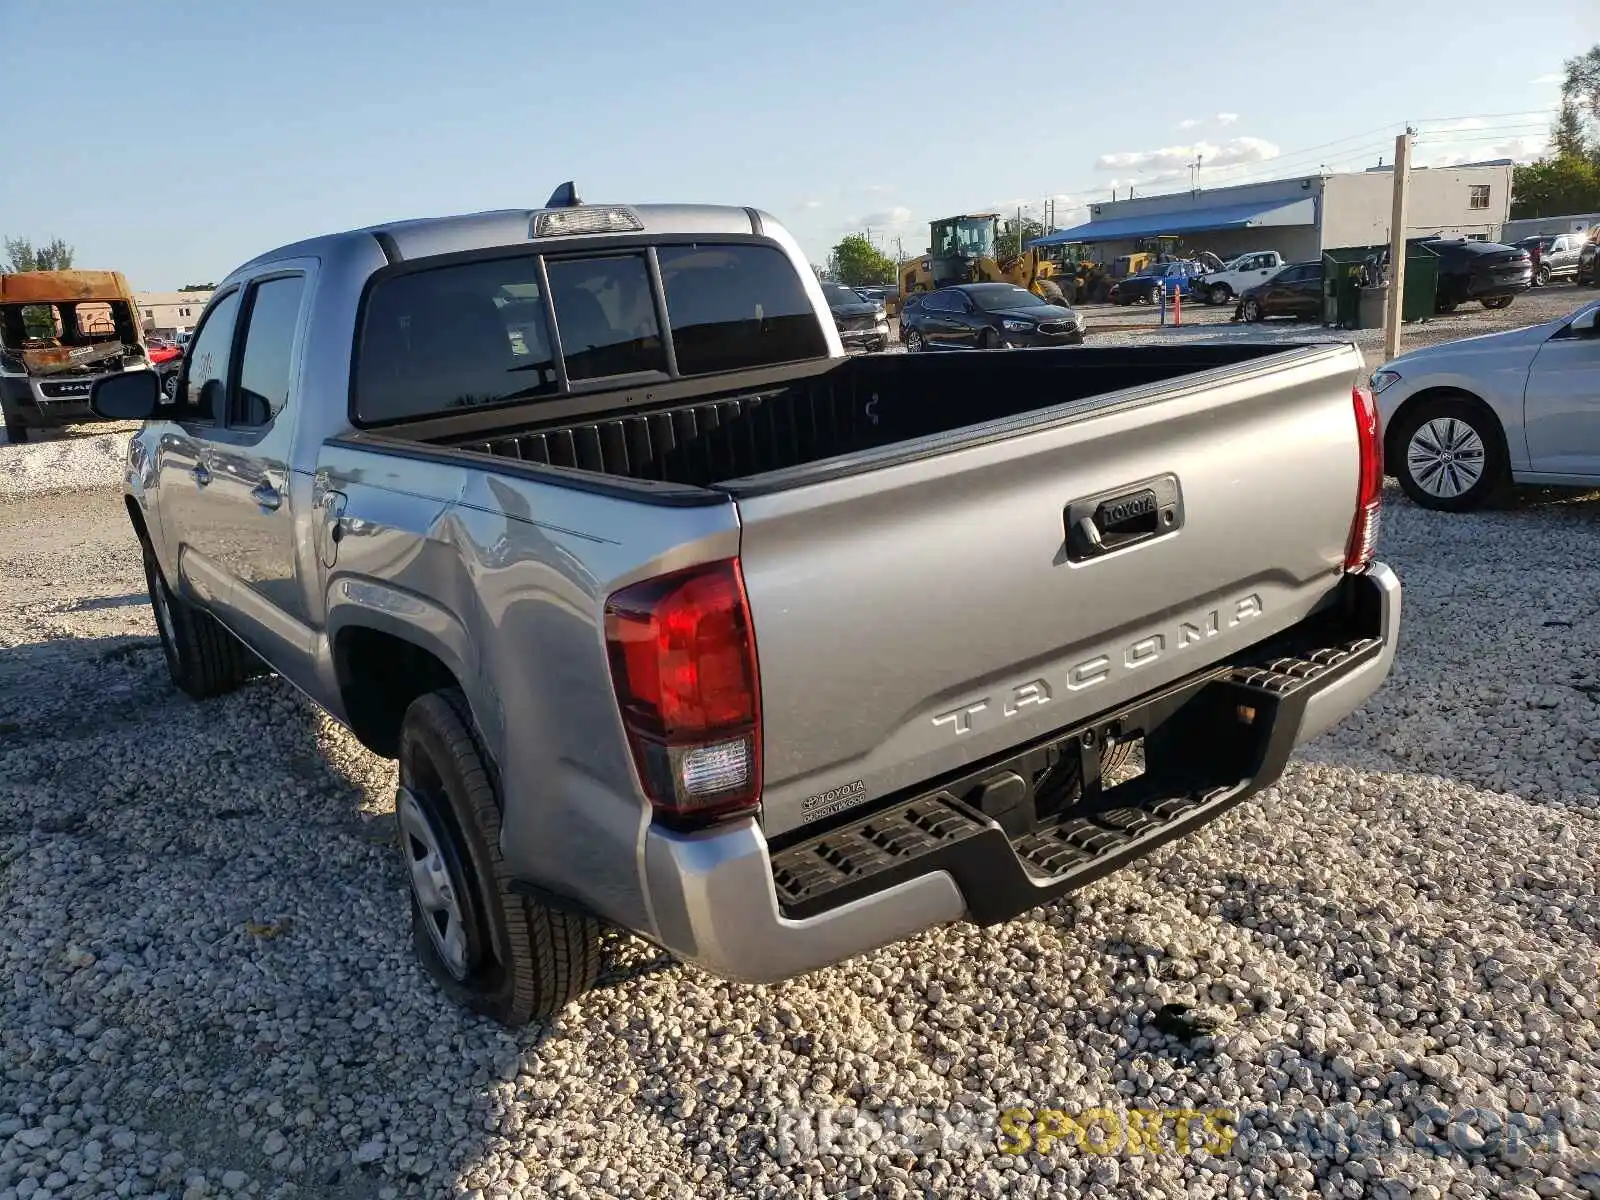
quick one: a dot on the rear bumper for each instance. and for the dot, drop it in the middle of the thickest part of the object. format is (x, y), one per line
(734, 906)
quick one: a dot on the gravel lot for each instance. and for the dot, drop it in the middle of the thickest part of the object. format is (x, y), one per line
(207, 985)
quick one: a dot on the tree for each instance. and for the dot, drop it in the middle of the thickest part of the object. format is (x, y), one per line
(1553, 187)
(198, 287)
(1007, 245)
(1577, 129)
(21, 255)
(857, 262)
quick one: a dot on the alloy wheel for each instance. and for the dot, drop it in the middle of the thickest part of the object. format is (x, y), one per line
(1445, 457)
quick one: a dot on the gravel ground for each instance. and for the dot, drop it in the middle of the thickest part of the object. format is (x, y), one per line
(70, 459)
(206, 986)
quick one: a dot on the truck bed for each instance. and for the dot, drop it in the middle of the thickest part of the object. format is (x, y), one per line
(911, 534)
(761, 435)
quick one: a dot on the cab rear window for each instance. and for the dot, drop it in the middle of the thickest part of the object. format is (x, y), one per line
(479, 333)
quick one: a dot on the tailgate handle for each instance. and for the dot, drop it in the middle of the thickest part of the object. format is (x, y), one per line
(1110, 521)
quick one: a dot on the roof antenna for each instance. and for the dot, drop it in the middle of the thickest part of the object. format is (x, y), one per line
(565, 196)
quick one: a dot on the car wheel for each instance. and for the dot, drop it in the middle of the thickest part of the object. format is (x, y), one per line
(1445, 307)
(492, 950)
(1252, 310)
(914, 342)
(169, 387)
(1451, 454)
(1155, 296)
(1497, 302)
(203, 658)
(1220, 294)
(1542, 277)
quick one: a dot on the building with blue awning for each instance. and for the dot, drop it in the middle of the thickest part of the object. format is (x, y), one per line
(1302, 217)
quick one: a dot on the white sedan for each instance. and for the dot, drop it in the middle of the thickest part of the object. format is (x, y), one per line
(1463, 419)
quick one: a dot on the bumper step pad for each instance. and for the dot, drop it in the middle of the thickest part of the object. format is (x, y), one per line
(1000, 875)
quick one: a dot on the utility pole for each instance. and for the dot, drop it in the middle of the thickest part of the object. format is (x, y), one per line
(1397, 246)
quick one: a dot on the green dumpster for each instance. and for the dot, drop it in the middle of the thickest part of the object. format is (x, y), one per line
(1422, 282)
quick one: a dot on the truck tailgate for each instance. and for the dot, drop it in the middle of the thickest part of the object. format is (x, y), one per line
(932, 612)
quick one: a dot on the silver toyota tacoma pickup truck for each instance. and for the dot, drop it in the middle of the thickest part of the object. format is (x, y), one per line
(679, 619)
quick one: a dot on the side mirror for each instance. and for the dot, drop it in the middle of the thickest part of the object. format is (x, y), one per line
(1587, 325)
(130, 396)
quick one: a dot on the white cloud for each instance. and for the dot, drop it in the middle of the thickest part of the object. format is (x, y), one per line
(1227, 118)
(898, 217)
(813, 203)
(880, 187)
(1548, 78)
(1451, 154)
(1173, 161)
(1189, 123)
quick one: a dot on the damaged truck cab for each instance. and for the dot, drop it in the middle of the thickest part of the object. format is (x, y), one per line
(60, 332)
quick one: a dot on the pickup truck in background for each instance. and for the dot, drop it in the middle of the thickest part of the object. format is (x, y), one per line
(679, 618)
(1239, 275)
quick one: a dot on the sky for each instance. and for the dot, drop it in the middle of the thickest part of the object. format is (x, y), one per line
(173, 142)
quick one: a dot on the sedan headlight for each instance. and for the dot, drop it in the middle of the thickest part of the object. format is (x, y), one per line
(1383, 379)
(1011, 326)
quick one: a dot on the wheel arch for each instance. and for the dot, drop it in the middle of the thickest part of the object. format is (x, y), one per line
(1391, 433)
(380, 671)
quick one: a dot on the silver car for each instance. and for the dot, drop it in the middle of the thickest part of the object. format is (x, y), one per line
(1464, 419)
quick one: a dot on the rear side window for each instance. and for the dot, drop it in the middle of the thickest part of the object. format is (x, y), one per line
(734, 307)
(454, 337)
(267, 367)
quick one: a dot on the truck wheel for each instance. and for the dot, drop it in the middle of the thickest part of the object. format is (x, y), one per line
(203, 658)
(1450, 454)
(16, 432)
(1498, 302)
(1220, 294)
(493, 951)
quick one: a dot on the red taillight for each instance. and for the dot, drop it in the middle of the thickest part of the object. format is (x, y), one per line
(683, 661)
(1363, 541)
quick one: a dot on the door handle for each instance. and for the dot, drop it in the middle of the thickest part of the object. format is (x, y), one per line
(202, 474)
(266, 495)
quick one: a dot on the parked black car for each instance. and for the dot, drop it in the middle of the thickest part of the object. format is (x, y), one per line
(1295, 291)
(1488, 272)
(861, 322)
(987, 316)
(1588, 274)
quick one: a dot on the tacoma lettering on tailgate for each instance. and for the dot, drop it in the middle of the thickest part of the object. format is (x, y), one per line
(1031, 693)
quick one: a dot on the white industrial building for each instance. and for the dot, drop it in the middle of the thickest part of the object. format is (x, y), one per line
(1302, 217)
(1532, 226)
(169, 313)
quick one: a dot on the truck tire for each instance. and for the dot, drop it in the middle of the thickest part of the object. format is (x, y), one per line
(1449, 454)
(16, 432)
(1219, 293)
(1496, 302)
(491, 950)
(203, 658)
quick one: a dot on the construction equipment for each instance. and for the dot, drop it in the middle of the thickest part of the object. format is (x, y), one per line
(1076, 260)
(962, 249)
